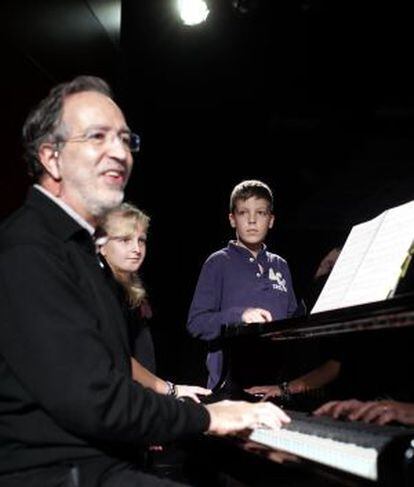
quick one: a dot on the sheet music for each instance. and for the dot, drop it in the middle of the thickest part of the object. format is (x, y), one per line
(369, 265)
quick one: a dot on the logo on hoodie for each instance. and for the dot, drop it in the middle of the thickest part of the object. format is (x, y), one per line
(278, 282)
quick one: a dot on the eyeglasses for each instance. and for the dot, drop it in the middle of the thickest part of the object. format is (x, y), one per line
(98, 138)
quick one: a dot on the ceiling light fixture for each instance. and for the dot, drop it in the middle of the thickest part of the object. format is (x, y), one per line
(192, 12)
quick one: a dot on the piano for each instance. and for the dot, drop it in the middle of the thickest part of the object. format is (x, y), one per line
(320, 450)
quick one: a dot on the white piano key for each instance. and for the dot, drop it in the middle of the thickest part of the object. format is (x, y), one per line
(348, 457)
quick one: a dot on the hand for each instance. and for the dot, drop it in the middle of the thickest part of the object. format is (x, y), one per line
(383, 412)
(379, 412)
(191, 391)
(256, 315)
(265, 391)
(227, 417)
(328, 262)
(336, 409)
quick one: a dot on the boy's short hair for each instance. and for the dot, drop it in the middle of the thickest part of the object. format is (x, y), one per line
(247, 189)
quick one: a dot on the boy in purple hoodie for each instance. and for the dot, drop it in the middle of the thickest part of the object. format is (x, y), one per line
(243, 281)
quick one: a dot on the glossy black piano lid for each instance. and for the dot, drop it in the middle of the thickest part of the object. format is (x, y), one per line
(373, 342)
(395, 312)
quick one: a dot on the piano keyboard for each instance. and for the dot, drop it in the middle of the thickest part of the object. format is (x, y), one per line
(350, 447)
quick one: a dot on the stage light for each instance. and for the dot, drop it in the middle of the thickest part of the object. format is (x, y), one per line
(192, 12)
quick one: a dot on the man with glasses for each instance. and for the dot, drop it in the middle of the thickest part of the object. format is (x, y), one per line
(70, 414)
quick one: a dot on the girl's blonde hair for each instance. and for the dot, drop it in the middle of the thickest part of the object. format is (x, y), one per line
(121, 222)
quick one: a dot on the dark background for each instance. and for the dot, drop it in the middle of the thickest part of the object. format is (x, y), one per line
(314, 97)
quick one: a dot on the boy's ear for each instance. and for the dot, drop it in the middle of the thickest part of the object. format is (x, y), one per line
(272, 221)
(232, 221)
(49, 158)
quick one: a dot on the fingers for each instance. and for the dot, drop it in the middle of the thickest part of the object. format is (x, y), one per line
(383, 412)
(227, 417)
(337, 409)
(365, 411)
(267, 315)
(347, 408)
(201, 390)
(265, 415)
(387, 415)
(259, 389)
(255, 389)
(270, 394)
(192, 391)
(380, 412)
(256, 315)
(193, 397)
(325, 409)
(272, 416)
(252, 316)
(264, 392)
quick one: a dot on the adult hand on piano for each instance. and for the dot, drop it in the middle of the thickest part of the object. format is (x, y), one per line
(228, 417)
(256, 315)
(265, 392)
(379, 412)
(191, 391)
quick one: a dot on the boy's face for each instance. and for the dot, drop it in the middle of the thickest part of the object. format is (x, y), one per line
(252, 219)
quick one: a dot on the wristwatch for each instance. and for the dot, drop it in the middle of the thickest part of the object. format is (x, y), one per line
(284, 388)
(172, 390)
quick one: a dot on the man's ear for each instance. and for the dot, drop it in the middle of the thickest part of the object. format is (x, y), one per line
(49, 158)
(231, 220)
(272, 221)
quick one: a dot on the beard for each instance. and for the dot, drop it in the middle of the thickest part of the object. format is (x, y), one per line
(90, 192)
(98, 204)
